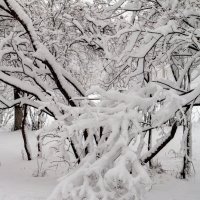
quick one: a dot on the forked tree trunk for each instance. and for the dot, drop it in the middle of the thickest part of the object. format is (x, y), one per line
(18, 112)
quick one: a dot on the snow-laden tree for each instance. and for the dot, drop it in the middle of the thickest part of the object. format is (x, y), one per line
(152, 41)
(99, 138)
(48, 86)
(27, 65)
(107, 172)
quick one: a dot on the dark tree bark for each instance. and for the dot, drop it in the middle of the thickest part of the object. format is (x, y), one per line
(149, 138)
(149, 147)
(157, 148)
(187, 131)
(18, 112)
(26, 145)
(85, 134)
(39, 147)
(1, 118)
(75, 152)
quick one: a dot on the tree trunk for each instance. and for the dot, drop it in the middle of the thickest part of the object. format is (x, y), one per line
(39, 147)
(1, 118)
(149, 146)
(149, 138)
(26, 145)
(75, 152)
(85, 134)
(187, 134)
(18, 113)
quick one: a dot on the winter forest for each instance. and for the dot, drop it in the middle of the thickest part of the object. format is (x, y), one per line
(99, 100)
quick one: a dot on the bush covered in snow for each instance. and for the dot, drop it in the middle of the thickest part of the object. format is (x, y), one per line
(116, 175)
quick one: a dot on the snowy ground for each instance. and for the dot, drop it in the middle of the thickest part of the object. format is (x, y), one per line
(17, 182)
(166, 186)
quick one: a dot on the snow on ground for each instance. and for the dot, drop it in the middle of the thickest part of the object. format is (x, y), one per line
(17, 182)
(166, 186)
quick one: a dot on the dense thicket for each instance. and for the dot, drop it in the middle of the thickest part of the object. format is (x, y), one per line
(144, 57)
